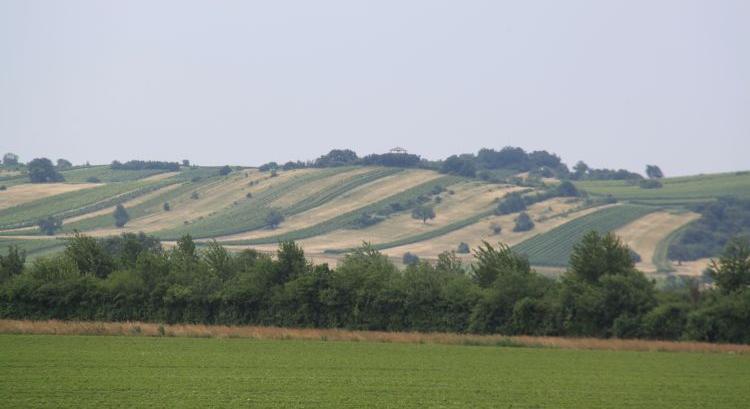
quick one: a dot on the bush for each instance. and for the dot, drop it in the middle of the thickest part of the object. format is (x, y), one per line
(248, 195)
(225, 170)
(496, 228)
(523, 223)
(274, 218)
(512, 203)
(410, 259)
(463, 248)
(50, 225)
(121, 216)
(166, 207)
(195, 196)
(3, 187)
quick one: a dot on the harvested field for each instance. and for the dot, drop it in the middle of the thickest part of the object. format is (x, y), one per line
(28, 192)
(644, 234)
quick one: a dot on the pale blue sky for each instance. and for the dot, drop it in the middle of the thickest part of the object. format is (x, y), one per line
(615, 83)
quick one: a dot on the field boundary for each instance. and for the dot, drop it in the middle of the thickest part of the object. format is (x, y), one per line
(55, 327)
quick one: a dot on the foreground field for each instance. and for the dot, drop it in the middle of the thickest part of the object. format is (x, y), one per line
(98, 371)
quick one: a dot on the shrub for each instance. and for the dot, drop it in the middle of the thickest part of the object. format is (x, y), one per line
(195, 196)
(225, 170)
(3, 187)
(512, 203)
(523, 223)
(248, 195)
(496, 228)
(166, 207)
(463, 248)
(410, 259)
(49, 225)
(121, 216)
(274, 218)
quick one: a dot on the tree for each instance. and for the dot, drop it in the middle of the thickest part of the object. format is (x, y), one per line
(336, 157)
(41, 170)
(50, 225)
(63, 164)
(121, 216)
(567, 189)
(512, 203)
(523, 223)
(167, 207)
(12, 263)
(732, 272)
(492, 262)
(225, 170)
(274, 218)
(10, 159)
(463, 248)
(580, 170)
(410, 259)
(596, 255)
(423, 213)
(185, 163)
(89, 256)
(653, 172)
(496, 228)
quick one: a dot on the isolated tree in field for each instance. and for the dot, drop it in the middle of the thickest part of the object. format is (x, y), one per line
(523, 223)
(167, 207)
(49, 225)
(185, 163)
(423, 213)
(496, 228)
(63, 164)
(732, 272)
(653, 172)
(121, 216)
(10, 159)
(463, 248)
(12, 263)
(41, 170)
(225, 170)
(274, 218)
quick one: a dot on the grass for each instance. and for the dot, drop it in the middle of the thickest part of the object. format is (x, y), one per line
(347, 219)
(661, 260)
(75, 203)
(106, 175)
(675, 191)
(553, 248)
(94, 371)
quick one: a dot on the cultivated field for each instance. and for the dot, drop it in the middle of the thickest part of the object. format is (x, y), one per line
(100, 371)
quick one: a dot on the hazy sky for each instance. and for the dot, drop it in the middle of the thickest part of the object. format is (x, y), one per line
(615, 83)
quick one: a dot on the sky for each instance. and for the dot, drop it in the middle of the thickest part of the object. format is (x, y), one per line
(618, 84)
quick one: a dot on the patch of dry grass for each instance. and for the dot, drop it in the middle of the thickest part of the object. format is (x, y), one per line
(55, 327)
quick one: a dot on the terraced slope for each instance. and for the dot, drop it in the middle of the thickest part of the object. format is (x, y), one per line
(107, 175)
(675, 191)
(29, 192)
(75, 203)
(554, 247)
(347, 219)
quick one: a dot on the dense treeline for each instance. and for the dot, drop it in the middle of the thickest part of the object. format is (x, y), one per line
(145, 165)
(132, 278)
(720, 221)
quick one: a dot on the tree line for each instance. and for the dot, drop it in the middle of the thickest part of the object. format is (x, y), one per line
(602, 294)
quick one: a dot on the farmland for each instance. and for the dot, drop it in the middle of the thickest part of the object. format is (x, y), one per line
(554, 247)
(675, 191)
(97, 371)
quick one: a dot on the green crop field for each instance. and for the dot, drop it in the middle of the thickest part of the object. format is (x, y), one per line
(76, 203)
(553, 248)
(107, 175)
(345, 220)
(104, 371)
(33, 248)
(675, 191)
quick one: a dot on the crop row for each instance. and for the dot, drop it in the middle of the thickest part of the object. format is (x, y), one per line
(348, 219)
(554, 247)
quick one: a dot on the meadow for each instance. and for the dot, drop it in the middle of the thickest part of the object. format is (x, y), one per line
(675, 191)
(100, 371)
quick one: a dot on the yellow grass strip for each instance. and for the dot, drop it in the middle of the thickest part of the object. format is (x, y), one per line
(28, 192)
(54, 327)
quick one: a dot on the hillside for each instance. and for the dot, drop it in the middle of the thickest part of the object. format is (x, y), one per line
(332, 210)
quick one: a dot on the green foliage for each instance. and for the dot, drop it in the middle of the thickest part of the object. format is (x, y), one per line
(511, 203)
(121, 215)
(423, 213)
(225, 170)
(654, 172)
(336, 157)
(706, 237)
(89, 256)
(493, 262)
(732, 272)
(463, 248)
(10, 159)
(166, 207)
(410, 259)
(105, 174)
(50, 225)
(41, 170)
(12, 263)
(523, 223)
(63, 164)
(596, 255)
(650, 184)
(274, 218)
(554, 247)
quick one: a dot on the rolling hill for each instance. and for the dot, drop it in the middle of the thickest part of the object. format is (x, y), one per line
(332, 210)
